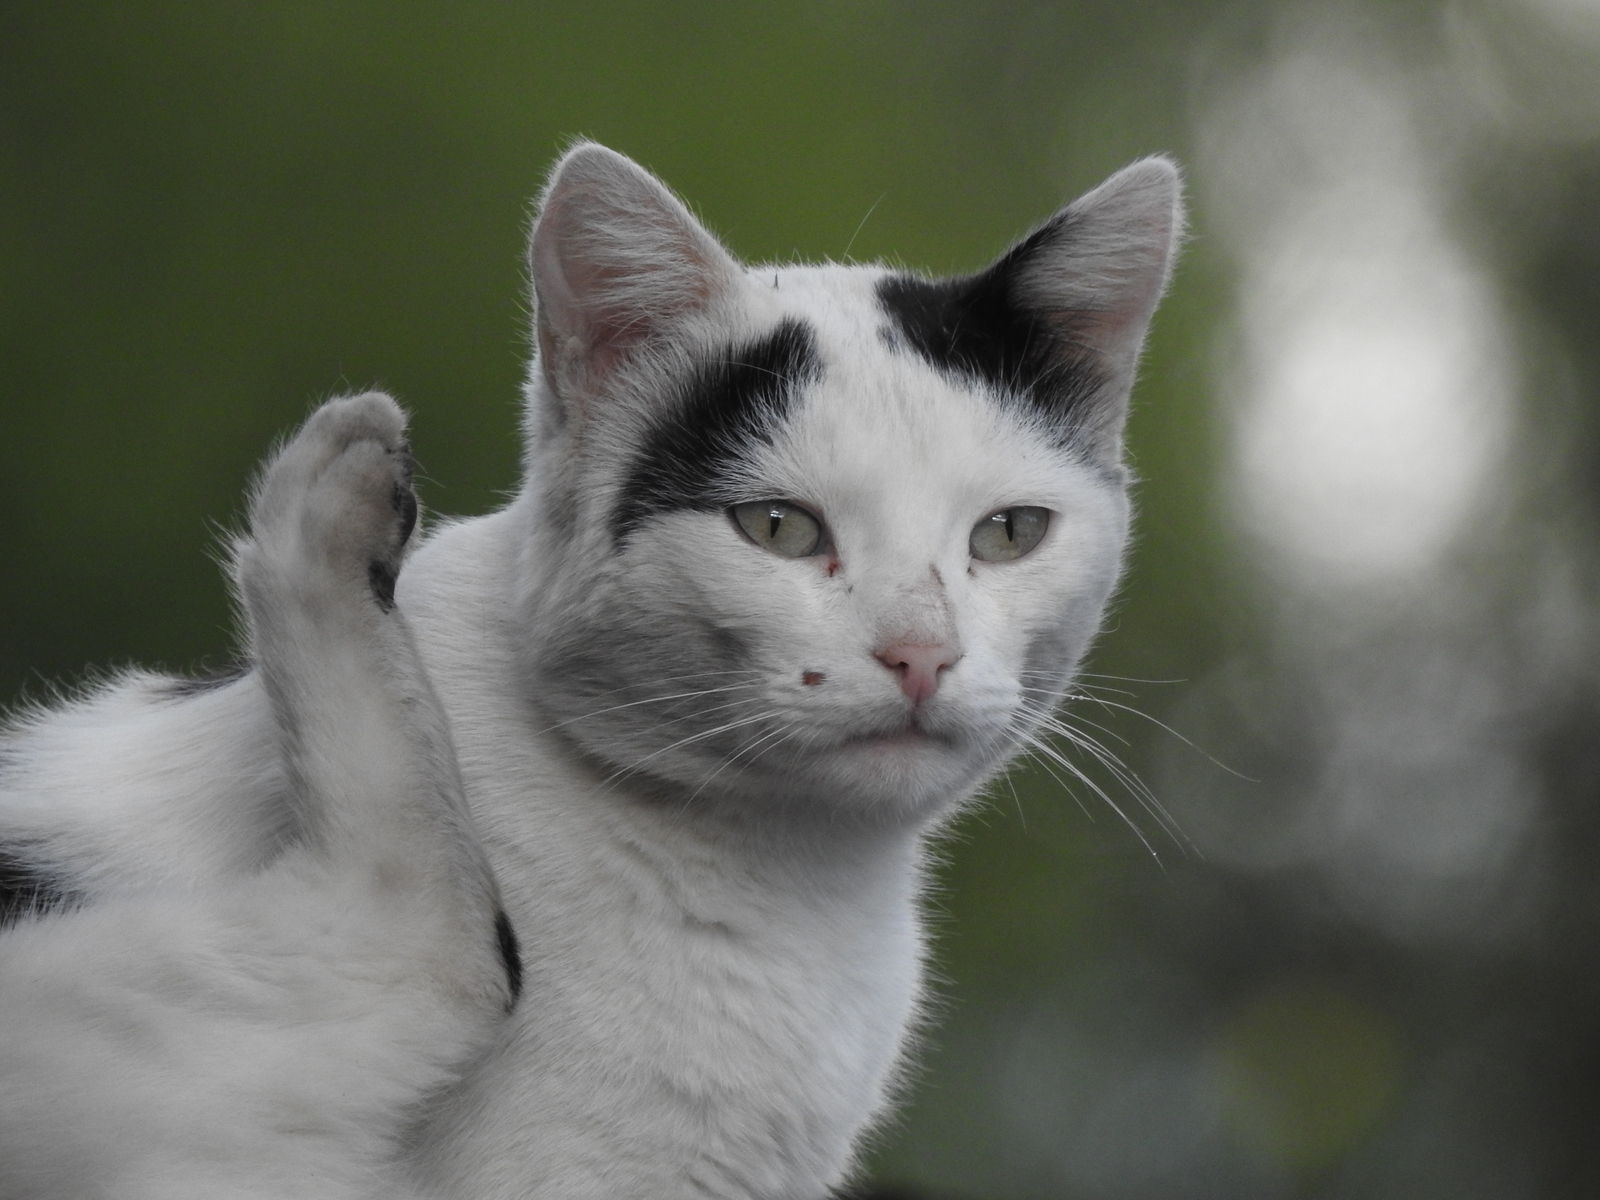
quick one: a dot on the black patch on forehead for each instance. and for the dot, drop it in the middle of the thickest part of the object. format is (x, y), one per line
(979, 328)
(27, 888)
(731, 403)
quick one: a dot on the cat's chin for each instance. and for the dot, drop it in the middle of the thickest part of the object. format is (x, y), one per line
(907, 773)
(912, 740)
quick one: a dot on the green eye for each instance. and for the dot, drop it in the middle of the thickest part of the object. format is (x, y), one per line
(1009, 533)
(778, 526)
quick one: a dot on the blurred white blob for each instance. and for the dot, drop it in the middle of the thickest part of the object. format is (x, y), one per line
(1579, 16)
(1373, 391)
(1372, 396)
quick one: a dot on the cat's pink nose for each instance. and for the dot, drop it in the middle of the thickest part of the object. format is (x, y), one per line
(918, 666)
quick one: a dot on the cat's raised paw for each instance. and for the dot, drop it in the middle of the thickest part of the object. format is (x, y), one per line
(336, 507)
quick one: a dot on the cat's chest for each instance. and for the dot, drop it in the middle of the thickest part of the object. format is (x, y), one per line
(687, 1016)
(689, 952)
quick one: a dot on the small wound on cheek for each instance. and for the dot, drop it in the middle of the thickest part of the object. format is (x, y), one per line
(811, 678)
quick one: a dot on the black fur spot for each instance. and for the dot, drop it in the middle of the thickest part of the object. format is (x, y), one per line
(405, 503)
(182, 689)
(382, 576)
(404, 498)
(510, 954)
(26, 888)
(977, 327)
(734, 401)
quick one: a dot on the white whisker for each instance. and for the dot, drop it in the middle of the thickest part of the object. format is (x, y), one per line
(1156, 721)
(1030, 753)
(1042, 746)
(624, 772)
(732, 687)
(1120, 772)
(780, 733)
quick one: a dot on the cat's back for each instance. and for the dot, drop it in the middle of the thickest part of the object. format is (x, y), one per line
(146, 776)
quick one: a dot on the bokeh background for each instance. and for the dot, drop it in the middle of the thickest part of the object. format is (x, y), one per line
(1343, 937)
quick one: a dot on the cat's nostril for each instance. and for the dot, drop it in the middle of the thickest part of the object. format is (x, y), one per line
(918, 666)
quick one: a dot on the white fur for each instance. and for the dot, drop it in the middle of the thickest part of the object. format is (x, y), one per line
(720, 925)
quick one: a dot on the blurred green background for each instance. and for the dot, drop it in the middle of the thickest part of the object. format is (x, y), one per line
(213, 216)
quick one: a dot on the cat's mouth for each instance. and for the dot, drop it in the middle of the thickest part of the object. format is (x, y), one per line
(910, 734)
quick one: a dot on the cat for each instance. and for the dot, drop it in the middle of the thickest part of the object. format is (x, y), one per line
(803, 556)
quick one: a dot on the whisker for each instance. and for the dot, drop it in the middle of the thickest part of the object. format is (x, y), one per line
(661, 679)
(701, 712)
(780, 733)
(1016, 800)
(1111, 733)
(1030, 752)
(1066, 764)
(623, 773)
(1128, 708)
(1120, 772)
(1127, 678)
(599, 712)
(1081, 691)
(1076, 684)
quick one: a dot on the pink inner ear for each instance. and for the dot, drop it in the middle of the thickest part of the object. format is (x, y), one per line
(1100, 285)
(617, 261)
(1114, 326)
(1103, 328)
(628, 305)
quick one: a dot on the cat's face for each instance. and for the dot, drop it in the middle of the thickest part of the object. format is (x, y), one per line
(815, 537)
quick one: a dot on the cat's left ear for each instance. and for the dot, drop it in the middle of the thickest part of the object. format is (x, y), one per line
(1096, 271)
(1058, 321)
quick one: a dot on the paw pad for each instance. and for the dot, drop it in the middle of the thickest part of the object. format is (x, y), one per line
(382, 572)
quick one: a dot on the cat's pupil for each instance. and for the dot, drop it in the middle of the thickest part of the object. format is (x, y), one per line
(1009, 533)
(782, 528)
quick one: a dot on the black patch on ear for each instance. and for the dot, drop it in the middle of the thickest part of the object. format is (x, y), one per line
(510, 954)
(26, 888)
(183, 689)
(975, 326)
(732, 402)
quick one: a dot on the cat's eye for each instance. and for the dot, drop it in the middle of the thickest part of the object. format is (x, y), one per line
(1009, 533)
(787, 530)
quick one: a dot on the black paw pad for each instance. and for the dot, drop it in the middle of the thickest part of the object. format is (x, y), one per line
(404, 500)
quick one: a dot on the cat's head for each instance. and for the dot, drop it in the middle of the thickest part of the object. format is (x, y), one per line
(826, 538)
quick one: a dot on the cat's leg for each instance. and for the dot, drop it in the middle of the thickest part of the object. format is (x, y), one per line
(372, 769)
(271, 1034)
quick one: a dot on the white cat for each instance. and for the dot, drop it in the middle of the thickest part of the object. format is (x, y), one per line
(803, 556)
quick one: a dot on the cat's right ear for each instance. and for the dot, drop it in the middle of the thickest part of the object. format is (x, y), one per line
(618, 261)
